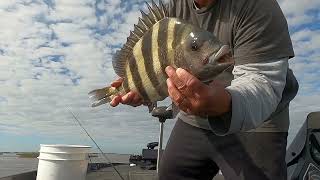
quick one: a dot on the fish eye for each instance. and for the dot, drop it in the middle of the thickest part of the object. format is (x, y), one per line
(194, 46)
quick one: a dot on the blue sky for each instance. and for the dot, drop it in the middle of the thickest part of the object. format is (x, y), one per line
(52, 52)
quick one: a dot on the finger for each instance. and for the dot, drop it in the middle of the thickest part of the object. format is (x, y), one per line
(186, 106)
(181, 82)
(115, 101)
(117, 83)
(178, 98)
(171, 72)
(189, 80)
(127, 99)
(174, 93)
(137, 100)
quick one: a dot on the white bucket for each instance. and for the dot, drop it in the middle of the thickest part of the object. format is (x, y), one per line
(63, 162)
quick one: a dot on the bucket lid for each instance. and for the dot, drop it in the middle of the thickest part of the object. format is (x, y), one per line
(64, 148)
(65, 145)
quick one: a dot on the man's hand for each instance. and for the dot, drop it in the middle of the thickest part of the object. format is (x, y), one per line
(194, 97)
(131, 98)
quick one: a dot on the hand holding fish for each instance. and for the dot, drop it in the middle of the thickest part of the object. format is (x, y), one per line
(131, 98)
(194, 97)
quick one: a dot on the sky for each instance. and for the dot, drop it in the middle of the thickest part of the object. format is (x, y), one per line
(53, 52)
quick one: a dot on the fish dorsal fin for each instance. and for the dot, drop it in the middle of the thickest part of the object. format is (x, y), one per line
(163, 9)
(145, 23)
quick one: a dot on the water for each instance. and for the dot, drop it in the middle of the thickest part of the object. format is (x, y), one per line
(11, 164)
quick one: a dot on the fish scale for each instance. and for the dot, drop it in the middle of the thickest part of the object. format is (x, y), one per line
(156, 42)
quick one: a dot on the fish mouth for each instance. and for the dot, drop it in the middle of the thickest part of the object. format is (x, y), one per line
(222, 58)
(217, 63)
(215, 57)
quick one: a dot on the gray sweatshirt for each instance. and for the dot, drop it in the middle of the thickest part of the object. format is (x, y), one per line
(261, 83)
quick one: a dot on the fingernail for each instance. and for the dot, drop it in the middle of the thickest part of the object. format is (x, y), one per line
(180, 71)
(169, 70)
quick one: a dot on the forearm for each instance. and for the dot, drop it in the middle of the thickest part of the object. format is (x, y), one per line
(255, 93)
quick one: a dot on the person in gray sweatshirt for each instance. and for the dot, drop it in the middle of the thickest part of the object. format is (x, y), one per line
(239, 122)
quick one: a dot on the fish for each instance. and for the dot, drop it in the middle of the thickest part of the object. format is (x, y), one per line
(156, 42)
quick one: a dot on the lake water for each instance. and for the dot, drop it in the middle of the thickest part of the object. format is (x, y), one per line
(11, 164)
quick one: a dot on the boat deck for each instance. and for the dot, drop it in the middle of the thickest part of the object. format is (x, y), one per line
(128, 173)
(15, 168)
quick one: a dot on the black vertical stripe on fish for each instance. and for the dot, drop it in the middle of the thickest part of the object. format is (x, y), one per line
(178, 29)
(163, 44)
(136, 78)
(178, 33)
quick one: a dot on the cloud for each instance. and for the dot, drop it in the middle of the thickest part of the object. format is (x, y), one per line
(306, 64)
(300, 13)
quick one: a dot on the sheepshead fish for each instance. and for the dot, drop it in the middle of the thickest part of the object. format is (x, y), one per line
(159, 41)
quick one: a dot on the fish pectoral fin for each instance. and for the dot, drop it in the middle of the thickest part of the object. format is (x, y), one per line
(102, 96)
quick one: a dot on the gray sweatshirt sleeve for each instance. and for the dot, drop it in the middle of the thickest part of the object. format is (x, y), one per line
(256, 91)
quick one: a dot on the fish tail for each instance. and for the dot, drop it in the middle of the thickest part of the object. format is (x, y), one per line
(104, 95)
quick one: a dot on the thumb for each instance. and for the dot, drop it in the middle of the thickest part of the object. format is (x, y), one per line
(192, 82)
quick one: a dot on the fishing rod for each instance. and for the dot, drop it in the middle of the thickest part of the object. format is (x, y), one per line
(103, 154)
